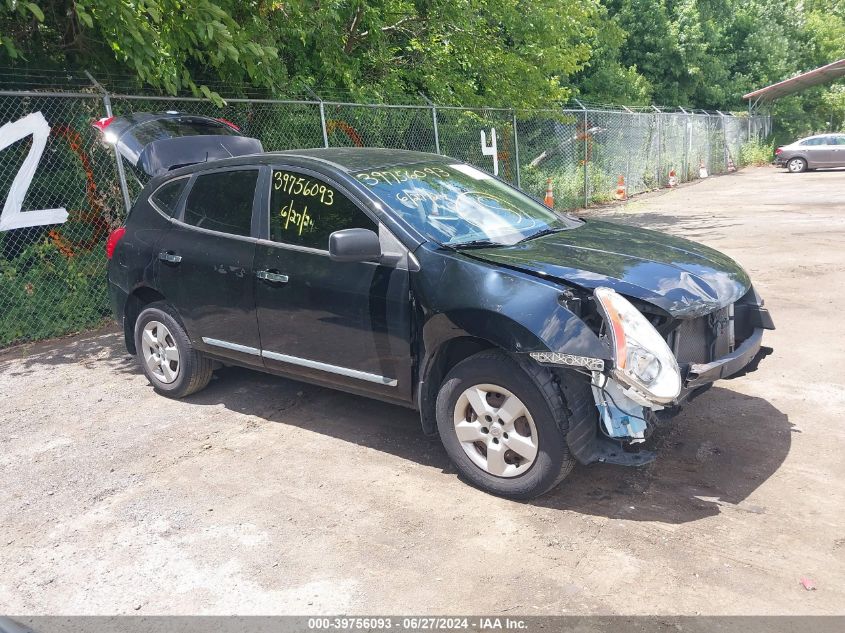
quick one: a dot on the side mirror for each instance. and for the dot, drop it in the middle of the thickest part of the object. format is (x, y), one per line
(354, 245)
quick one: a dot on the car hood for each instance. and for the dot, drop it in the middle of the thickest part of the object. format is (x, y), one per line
(683, 278)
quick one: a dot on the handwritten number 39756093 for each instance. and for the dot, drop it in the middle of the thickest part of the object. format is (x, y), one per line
(12, 217)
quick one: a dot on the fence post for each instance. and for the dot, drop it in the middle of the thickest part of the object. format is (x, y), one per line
(516, 150)
(687, 133)
(319, 99)
(722, 119)
(124, 187)
(586, 162)
(659, 116)
(323, 124)
(434, 122)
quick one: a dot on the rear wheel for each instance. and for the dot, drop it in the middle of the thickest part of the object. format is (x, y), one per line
(168, 359)
(796, 165)
(503, 425)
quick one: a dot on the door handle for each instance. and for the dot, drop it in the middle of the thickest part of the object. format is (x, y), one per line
(169, 257)
(268, 275)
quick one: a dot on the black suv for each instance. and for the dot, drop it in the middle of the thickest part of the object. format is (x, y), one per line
(527, 339)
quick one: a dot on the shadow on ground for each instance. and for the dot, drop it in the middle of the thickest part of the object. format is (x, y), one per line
(715, 453)
(103, 346)
(720, 449)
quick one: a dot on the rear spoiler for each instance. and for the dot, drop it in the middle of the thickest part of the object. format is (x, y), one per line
(161, 156)
(158, 142)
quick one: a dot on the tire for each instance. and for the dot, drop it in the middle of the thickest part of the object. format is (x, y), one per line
(168, 359)
(796, 165)
(494, 453)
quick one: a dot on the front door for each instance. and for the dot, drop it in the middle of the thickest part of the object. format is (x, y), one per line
(205, 264)
(341, 323)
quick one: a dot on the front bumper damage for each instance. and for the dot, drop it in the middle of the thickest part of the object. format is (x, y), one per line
(749, 353)
(626, 417)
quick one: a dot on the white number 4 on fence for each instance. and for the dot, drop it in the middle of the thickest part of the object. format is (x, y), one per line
(491, 150)
(12, 217)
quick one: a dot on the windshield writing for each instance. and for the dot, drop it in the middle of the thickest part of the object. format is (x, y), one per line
(455, 204)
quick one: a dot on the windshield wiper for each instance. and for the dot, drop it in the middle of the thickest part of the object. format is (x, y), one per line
(474, 244)
(540, 234)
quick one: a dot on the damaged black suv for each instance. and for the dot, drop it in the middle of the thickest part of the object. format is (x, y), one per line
(527, 339)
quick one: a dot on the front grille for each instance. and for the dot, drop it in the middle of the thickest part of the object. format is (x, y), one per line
(704, 339)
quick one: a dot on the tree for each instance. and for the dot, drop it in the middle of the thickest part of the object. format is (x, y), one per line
(491, 52)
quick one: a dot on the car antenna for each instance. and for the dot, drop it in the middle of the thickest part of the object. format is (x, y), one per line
(231, 155)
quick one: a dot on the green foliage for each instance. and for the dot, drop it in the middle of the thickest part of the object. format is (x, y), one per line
(756, 153)
(46, 293)
(512, 53)
(502, 52)
(708, 53)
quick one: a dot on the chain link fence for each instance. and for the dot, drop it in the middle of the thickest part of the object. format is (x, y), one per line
(52, 275)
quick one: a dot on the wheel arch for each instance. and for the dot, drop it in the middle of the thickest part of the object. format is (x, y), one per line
(140, 298)
(436, 364)
(450, 337)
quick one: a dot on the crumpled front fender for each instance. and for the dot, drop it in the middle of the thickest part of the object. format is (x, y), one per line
(512, 310)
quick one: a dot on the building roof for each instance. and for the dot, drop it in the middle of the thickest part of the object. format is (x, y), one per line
(822, 75)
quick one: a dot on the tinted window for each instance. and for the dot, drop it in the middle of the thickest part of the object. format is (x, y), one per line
(838, 140)
(222, 201)
(814, 141)
(174, 128)
(305, 211)
(167, 196)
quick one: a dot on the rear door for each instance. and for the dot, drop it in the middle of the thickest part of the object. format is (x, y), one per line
(205, 262)
(827, 151)
(816, 151)
(346, 324)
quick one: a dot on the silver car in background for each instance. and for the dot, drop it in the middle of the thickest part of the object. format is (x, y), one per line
(814, 152)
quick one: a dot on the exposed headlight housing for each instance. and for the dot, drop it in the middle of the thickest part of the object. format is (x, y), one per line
(641, 358)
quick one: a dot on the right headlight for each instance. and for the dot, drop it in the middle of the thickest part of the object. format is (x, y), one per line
(641, 358)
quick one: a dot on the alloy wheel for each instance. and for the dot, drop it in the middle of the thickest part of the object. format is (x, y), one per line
(496, 430)
(796, 165)
(160, 352)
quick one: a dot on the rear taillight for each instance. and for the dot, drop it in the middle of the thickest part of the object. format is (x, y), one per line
(114, 237)
(103, 123)
(778, 151)
(229, 123)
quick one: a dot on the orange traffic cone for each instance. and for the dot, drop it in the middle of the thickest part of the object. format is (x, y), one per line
(549, 200)
(621, 192)
(702, 170)
(673, 179)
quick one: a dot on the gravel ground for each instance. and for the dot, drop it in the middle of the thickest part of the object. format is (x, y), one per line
(263, 495)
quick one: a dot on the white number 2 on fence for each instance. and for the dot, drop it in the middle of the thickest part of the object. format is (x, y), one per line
(12, 217)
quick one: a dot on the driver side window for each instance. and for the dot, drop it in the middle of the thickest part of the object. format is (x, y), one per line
(304, 210)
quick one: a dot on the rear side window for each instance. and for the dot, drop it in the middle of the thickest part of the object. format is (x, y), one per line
(166, 197)
(814, 141)
(222, 201)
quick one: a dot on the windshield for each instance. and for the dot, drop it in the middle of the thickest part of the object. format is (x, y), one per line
(456, 204)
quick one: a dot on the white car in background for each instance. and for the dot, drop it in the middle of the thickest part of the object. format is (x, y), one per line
(814, 152)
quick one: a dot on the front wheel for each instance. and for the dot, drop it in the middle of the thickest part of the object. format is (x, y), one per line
(796, 165)
(503, 425)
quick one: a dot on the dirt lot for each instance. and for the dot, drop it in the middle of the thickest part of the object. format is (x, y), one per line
(262, 495)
